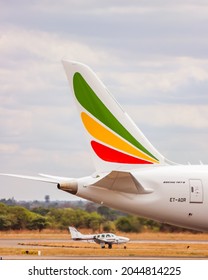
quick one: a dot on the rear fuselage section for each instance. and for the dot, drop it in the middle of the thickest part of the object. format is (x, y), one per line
(179, 196)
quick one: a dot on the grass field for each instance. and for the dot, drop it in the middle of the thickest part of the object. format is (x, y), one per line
(58, 243)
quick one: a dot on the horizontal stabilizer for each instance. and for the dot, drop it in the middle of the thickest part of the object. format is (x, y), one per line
(122, 181)
(56, 178)
(35, 178)
(41, 178)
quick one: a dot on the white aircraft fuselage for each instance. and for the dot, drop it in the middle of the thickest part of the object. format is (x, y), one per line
(179, 195)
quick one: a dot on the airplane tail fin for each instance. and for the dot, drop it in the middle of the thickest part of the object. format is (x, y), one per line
(75, 234)
(116, 142)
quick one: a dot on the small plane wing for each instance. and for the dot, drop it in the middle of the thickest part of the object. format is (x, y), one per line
(122, 181)
(102, 240)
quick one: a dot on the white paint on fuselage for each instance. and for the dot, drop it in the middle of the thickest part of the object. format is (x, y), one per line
(170, 200)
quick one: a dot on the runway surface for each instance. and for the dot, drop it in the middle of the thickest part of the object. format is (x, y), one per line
(38, 245)
(16, 243)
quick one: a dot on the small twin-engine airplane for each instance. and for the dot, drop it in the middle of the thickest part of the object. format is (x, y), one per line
(101, 238)
(131, 175)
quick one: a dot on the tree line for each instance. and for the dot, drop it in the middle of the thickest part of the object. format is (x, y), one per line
(103, 219)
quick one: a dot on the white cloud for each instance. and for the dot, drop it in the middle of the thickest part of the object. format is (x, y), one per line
(45, 47)
(8, 148)
(14, 122)
(40, 69)
(117, 6)
(156, 79)
(170, 115)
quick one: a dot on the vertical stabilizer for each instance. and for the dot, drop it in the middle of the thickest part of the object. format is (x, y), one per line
(75, 234)
(115, 140)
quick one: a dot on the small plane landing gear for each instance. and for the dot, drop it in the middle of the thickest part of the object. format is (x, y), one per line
(109, 246)
(102, 246)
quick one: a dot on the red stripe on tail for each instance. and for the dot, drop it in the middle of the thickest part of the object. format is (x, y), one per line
(111, 155)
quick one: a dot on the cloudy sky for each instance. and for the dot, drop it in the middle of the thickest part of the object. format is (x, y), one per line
(151, 54)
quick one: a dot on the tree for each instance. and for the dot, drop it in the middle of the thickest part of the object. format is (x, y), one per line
(128, 224)
(20, 217)
(94, 221)
(5, 223)
(109, 226)
(37, 222)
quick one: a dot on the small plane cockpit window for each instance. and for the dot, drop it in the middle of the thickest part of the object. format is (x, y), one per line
(108, 235)
(103, 235)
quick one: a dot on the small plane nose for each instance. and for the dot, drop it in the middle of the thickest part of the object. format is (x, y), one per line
(125, 239)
